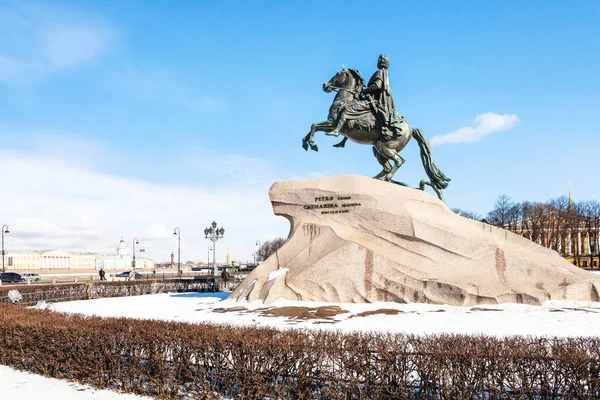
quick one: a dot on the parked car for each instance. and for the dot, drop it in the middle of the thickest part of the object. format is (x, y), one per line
(32, 276)
(125, 274)
(10, 277)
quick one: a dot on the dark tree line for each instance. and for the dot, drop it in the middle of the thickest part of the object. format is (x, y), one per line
(570, 228)
(269, 247)
(467, 214)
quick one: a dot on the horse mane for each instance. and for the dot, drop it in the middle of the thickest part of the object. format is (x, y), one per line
(359, 78)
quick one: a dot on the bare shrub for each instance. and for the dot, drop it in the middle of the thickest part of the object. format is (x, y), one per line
(171, 360)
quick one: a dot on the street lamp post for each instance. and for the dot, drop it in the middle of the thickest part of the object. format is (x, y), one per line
(213, 234)
(177, 232)
(4, 230)
(135, 241)
(208, 256)
(257, 250)
(254, 255)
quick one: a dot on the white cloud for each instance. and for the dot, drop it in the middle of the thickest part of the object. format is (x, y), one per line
(67, 46)
(485, 124)
(158, 231)
(51, 201)
(48, 39)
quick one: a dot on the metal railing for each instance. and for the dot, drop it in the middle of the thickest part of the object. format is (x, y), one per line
(59, 292)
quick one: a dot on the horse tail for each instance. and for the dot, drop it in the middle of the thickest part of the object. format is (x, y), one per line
(437, 178)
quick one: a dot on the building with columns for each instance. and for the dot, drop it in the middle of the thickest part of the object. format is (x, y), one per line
(574, 237)
(20, 260)
(61, 260)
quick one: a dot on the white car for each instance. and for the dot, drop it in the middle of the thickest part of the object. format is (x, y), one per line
(30, 276)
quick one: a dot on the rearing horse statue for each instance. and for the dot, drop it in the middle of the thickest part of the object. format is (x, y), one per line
(366, 130)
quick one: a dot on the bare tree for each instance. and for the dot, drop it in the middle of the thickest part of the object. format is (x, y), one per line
(534, 216)
(467, 214)
(556, 220)
(574, 225)
(501, 213)
(515, 218)
(269, 247)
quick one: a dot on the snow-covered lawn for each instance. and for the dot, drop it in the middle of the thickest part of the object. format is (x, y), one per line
(553, 318)
(18, 385)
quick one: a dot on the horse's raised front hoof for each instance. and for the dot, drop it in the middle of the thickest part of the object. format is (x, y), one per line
(314, 147)
(305, 145)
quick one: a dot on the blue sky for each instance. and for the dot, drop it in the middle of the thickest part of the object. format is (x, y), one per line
(129, 118)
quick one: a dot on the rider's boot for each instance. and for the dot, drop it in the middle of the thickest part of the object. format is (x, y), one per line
(338, 126)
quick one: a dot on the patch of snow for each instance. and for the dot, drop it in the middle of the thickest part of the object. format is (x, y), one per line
(42, 305)
(553, 318)
(277, 272)
(19, 385)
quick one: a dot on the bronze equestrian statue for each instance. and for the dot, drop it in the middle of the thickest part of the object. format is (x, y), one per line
(367, 115)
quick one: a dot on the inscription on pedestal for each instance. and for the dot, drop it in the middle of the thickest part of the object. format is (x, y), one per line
(332, 204)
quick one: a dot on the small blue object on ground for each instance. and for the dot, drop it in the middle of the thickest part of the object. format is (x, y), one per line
(219, 295)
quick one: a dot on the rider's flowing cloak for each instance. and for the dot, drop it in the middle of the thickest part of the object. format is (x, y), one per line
(385, 101)
(384, 97)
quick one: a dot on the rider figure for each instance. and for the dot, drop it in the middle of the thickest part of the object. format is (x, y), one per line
(376, 97)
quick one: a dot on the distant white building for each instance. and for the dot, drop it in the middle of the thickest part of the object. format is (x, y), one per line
(24, 260)
(19, 260)
(123, 261)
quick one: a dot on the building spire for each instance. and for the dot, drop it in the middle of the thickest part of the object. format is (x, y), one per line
(570, 198)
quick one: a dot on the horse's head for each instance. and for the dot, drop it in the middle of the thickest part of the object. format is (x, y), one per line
(349, 79)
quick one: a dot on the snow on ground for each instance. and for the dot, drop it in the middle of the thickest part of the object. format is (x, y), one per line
(25, 386)
(553, 318)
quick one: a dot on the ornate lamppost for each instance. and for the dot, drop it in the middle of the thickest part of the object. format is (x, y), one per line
(208, 256)
(135, 241)
(213, 234)
(257, 251)
(177, 232)
(4, 230)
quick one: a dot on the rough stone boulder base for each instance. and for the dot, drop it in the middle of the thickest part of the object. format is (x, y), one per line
(356, 239)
